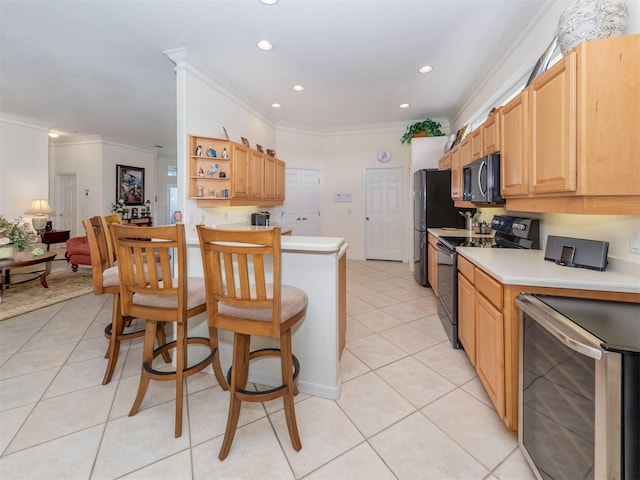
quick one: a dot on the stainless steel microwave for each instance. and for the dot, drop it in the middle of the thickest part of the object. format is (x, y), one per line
(481, 181)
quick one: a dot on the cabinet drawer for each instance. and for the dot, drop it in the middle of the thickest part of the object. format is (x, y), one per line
(466, 268)
(489, 287)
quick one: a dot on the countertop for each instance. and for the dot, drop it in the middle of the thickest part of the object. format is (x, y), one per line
(528, 267)
(289, 243)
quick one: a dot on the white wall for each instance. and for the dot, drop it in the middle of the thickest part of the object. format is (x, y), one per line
(24, 165)
(93, 161)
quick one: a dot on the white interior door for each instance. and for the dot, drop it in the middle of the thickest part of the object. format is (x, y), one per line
(384, 215)
(301, 209)
(66, 204)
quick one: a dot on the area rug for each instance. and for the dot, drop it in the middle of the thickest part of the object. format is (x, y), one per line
(64, 284)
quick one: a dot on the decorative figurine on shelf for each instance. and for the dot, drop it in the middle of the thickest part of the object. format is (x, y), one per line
(222, 175)
(213, 169)
(211, 152)
(225, 154)
(199, 150)
(177, 216)
(200, 172)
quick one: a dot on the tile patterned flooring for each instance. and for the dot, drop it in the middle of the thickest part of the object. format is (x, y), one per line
(411, 406)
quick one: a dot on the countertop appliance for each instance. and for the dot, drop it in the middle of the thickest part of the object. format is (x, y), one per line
(481, 181)
(260, 218)
(580, 387)
(510, 232)
(432, 208)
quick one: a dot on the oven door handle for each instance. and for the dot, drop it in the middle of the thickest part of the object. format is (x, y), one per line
(558, 326)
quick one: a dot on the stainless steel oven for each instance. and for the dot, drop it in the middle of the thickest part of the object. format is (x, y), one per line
(448, 291)
(579, 387)
(510, 232)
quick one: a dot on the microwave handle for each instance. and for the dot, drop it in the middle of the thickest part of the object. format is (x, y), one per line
(483, 165)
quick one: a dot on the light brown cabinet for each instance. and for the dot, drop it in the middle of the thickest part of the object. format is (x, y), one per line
(445, 162)
(514, 125)
(489, 330)
(236, 176)
(467, 317)
(256, 175)
(481, 328)
(490, 131)
(580, 135)
(476, 143)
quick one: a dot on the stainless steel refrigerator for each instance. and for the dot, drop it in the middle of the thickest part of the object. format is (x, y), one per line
(432, 208)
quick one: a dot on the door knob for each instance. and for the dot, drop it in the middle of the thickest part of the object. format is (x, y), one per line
(367, 219)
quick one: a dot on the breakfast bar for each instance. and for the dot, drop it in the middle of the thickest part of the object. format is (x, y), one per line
(316, 265)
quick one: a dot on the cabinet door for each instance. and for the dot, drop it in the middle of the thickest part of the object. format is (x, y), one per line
(456, 174)
(465, 152)
(445, 162)
(280, 179)
(269, 177)
(432, 273)
(240, 172)
(491, 134)
(514, 132)
(490, 351)
(256, 174)
(552, 104)
(476, 143)
(467, 317)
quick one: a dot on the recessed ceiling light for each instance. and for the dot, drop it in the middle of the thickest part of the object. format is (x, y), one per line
(264, 45)
(425, 69)
(275, 105)
(54, 134)
(269, 2)
(404, 105)
(298, 88)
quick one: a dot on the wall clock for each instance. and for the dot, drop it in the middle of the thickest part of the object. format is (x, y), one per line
(384, 156)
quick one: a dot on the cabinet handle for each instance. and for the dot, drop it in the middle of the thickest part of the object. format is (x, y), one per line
(305, 218)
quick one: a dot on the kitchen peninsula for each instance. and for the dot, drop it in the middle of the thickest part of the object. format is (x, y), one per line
(316, 265)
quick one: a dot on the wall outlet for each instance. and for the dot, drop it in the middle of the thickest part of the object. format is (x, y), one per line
(634, 243)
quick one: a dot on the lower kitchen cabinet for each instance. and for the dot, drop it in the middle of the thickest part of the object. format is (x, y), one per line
(489, 330)
(490, 351)
(467, 317)
(481, 328)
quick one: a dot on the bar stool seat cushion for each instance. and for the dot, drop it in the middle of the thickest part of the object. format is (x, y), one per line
(292, 301)
(195, 296)
(110, 277)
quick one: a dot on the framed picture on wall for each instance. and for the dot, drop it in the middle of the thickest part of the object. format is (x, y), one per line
(130, 184)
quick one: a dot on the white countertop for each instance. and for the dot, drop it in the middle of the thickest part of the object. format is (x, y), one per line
(528, 267)
(289, 243)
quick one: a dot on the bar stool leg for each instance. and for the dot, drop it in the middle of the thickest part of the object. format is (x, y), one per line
(117, 326)
(217, 367)
(239, 375)
(286, 362)
(147, 357)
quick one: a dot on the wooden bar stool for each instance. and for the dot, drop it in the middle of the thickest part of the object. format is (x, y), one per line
(244, 299)
(106, 281)
(157, 295)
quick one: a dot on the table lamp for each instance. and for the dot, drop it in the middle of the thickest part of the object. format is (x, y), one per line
(39, 208)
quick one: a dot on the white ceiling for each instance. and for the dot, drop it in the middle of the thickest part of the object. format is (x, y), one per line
(97, 67)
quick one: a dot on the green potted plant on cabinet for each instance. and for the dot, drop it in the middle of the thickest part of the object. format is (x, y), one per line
(428, 126)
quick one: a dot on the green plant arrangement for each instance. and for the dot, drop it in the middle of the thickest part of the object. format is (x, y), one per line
(17, 233)
(429, 126)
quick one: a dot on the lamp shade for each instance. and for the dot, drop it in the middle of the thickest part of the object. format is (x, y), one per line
(39, 206)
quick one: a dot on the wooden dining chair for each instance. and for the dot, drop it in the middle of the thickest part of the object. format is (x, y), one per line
(162, 295)
(245, 298)
(106, 281)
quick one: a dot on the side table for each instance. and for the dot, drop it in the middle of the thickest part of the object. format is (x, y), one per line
(55, 236)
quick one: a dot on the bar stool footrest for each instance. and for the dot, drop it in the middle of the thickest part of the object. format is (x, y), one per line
(253, 394)
(171, 374)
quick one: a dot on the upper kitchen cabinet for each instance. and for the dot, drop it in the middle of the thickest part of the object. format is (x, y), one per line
(514, 125)
(490, 131)
(476, 143)
(445, 162)
(580, 134)
(456, 174)
(224, 173)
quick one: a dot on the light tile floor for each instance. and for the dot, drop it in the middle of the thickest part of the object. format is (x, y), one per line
(411, 406)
